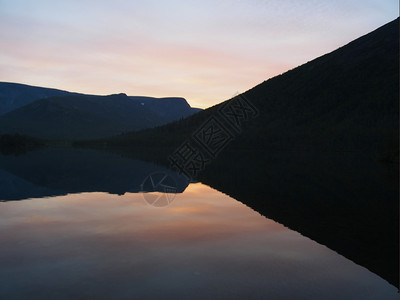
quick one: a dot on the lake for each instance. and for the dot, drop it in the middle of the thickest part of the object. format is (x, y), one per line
(79, 224)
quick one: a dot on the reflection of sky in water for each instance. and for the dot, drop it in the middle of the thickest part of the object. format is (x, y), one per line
(205, 244)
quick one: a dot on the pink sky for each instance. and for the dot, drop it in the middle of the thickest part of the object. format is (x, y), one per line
(205, 51)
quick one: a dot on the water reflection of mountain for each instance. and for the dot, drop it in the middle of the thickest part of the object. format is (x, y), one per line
(347, 201)
(51, 172)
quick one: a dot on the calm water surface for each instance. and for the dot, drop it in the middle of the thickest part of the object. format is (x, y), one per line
(205, 244)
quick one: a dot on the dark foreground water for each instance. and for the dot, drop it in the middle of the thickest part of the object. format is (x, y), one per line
(98, 245)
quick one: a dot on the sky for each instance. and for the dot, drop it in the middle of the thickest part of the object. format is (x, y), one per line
(205, 51)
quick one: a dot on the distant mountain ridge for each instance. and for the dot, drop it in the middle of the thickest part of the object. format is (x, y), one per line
(15, 95)
(56, 114)
(167, 107)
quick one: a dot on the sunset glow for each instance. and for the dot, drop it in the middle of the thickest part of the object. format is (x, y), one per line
(204, 51)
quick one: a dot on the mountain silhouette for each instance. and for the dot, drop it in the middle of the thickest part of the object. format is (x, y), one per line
(344, 100)
(171, 108)
(77, 116)
(15, 95)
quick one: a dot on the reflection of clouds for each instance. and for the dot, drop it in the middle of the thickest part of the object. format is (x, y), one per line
(204, 243)
(201, 213)
(190, 210)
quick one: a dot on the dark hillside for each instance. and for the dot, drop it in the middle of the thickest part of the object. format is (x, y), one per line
(344, 100)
